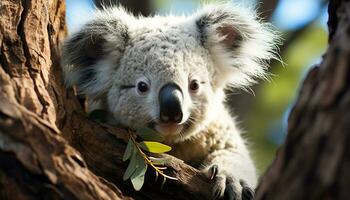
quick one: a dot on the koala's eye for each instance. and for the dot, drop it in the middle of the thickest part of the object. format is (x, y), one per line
(142, 87)
(194, 85)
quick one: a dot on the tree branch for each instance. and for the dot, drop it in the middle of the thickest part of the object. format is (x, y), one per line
(102, 147)
(315, 160)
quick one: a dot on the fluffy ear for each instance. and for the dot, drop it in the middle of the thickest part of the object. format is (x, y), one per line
(239, 43)
(90, 55)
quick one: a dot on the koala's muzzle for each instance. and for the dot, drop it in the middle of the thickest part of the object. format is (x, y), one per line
(170, 102)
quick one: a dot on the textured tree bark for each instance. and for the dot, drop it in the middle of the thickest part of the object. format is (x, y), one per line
(49, 149)
(35, 159)
(314, 163)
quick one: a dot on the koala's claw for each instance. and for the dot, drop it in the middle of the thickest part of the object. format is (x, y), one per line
(230, 193)
(247, 192)
(226, 187)
(219, 186)
(213, 171)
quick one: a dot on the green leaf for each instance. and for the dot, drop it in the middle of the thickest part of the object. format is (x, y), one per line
(137, 182)
(141, 170)
(161, 160)
(154, 147)
(149, 134)
(138, 177)
(132, 165)
(128, 151)
(136, 162)
(99, 115)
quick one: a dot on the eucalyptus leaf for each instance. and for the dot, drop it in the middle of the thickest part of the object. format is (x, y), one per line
(138, 177)
(139, 171)
(154, 147)
(149, 134)
(137, 182)
(128, 151)
(132, 165)
(141, 168)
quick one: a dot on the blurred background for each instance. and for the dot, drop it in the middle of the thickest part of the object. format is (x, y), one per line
(262, 114)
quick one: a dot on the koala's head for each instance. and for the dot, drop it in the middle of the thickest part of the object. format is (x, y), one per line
(168, 73)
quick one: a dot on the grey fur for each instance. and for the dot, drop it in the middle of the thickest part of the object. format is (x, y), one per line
(220, 46)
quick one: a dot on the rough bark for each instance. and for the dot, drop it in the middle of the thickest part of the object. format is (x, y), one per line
(314, 163)
(49, 149)
(35, 159)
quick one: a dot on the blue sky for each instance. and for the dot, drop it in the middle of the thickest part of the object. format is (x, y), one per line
(291, 14)
(78, 13)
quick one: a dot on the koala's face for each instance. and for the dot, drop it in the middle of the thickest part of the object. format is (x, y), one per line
(167, 73)
(163, 81)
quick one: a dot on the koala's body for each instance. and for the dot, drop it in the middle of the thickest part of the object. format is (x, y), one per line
(169, 73)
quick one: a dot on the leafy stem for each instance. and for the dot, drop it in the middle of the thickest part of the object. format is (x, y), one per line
(147, 160)
(139, 161)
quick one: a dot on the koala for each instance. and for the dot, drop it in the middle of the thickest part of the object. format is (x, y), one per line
(169, 73)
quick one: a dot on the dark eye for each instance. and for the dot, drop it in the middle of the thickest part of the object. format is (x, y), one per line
(142, 87)
(194, 85)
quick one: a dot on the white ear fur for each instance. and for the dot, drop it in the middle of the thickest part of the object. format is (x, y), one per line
(86, 53)
(240, 44)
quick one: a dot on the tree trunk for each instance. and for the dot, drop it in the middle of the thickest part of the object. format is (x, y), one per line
(314, 163)
(49, 149)
(35, 159)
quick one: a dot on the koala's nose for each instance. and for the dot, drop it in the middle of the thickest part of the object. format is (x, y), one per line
(170, 102)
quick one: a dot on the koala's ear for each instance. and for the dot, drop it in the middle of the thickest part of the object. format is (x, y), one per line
(240, 44)
(90, 55)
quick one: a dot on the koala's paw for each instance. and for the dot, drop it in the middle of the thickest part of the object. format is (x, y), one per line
(228, 187)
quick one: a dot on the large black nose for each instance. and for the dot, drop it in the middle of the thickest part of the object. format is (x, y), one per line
(170, 102)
